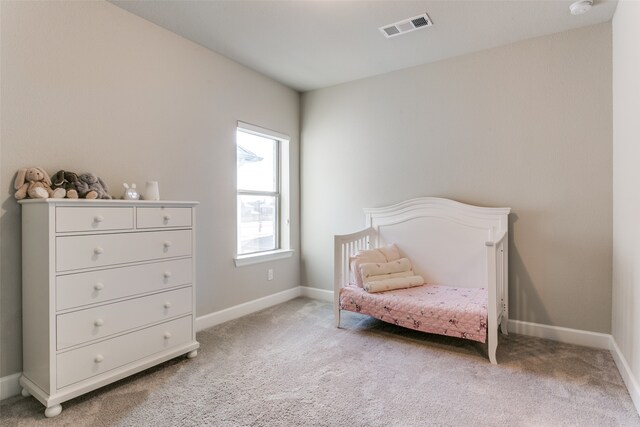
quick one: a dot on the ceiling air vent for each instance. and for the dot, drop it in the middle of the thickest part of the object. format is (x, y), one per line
(391, 31)
(406, 25)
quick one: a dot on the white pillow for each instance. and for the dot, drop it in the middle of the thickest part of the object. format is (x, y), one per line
(390, 252)
(363, 256)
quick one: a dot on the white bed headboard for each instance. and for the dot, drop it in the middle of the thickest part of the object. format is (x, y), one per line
(440, 236)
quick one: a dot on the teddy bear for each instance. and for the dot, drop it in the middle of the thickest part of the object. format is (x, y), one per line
(35, 183)
(91, 186)
(67, 181)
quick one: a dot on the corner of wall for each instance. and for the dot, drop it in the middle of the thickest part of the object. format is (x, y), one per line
(626, 204)
(627, 376)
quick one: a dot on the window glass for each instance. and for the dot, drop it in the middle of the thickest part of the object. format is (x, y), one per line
(256, 223)
(256, 163)
(258, 193)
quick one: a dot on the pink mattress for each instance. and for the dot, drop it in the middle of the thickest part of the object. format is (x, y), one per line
(437, 309)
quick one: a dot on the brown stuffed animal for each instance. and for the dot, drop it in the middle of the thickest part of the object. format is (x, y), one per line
(67, 181)
(35, 183)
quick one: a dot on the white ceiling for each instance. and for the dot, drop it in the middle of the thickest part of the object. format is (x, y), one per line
(313, 44)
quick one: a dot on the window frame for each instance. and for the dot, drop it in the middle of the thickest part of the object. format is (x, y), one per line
(281, 219)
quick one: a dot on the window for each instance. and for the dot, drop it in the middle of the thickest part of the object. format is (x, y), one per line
(259, 190)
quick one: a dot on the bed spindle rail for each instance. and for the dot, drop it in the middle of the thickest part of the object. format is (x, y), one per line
(345, 246)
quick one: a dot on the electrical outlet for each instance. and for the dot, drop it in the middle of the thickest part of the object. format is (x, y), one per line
(270, 274)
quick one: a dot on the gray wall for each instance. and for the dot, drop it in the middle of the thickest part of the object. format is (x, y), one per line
(626, 176)
(526, 125)
(87, 86)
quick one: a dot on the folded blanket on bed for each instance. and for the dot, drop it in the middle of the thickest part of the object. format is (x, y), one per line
(376, 255)
(390, 276)
(394, 283)
(379, 268)
(386, 276)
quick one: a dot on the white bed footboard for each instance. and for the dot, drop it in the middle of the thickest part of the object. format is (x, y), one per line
(498, 274)
(345, 246)
(449, 243)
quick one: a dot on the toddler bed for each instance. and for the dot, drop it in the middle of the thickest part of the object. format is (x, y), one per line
(461, 252)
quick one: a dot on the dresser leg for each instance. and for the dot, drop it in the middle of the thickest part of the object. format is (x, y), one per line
(52, 411)
(25, 392)
(192, 354)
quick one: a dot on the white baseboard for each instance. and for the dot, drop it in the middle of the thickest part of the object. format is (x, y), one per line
(625, 371)
(212, 319)
(558, 333)
(315, 293)
(10, 386)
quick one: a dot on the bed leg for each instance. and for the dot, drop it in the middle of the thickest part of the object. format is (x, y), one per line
(337, 316)
(492, 345)
(503, 326)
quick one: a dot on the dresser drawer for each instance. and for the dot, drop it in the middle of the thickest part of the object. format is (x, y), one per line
(76, 290)
(74, 218)
(76, 252)
(99, 322)
(163, 217)
(82, 363)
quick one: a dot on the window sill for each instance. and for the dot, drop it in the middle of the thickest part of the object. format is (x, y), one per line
(242, 260)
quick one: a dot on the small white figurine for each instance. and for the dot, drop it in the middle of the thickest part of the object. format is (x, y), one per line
(130, 193)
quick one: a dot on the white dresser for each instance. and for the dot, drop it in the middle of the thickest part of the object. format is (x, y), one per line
(107, 290)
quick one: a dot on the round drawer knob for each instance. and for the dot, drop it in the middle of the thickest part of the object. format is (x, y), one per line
(167, 304)
(98, 286)
(98, 322)
(167, 217)
(167, 335)
(98, 250)
(167, 274)
(167, 244)
(98, 218)
(99, 358)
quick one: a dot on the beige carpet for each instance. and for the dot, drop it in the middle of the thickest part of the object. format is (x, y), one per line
(288, 366)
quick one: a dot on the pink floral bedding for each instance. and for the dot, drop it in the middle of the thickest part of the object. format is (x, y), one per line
(437, 309)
